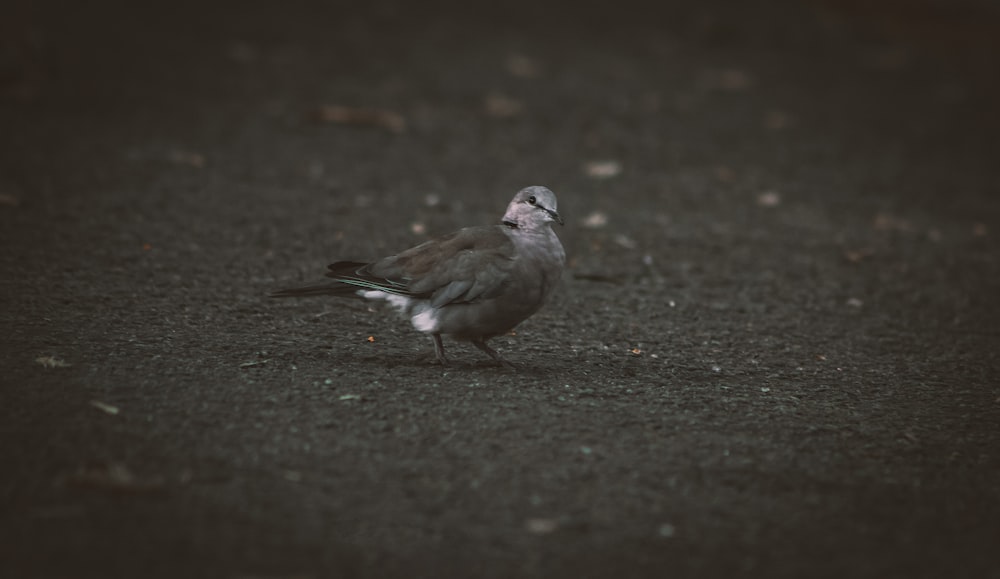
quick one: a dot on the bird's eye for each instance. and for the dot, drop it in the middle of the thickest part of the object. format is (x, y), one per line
(532, 200)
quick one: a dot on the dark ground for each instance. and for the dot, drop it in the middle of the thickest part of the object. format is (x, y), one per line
(776, 358)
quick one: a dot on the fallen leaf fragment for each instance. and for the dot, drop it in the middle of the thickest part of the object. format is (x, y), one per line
(732, 79)
(858, 255)
(769, 199)
(522, 66)
(602, 169)
(595, 220)
(254, 363)
(777, 120)
(724, 174)
(189, 158)
(381, 118)
(502, 107)
(625, 241)
(540, 526)
(51, 362)
(886, 222)
(112, 410)
(116, 478)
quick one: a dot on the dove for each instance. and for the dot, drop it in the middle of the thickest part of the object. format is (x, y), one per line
(473, 284)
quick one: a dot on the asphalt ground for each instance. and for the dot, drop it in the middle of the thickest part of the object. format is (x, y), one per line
(774, 351)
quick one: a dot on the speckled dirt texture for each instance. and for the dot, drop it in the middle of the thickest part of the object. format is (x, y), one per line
(774, 352)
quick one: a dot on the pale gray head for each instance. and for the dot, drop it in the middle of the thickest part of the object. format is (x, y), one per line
(531, 208)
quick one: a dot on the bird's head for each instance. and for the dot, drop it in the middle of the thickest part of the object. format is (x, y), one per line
(532, 207)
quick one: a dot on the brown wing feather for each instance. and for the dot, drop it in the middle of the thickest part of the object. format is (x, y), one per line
(460, 267)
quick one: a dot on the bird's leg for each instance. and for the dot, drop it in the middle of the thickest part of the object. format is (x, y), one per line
(481, 344)
(439, 349)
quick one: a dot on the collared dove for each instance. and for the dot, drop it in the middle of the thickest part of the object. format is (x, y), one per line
(474, 284)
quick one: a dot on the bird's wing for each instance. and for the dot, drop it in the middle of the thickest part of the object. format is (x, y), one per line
(471, 264)
(358, 275)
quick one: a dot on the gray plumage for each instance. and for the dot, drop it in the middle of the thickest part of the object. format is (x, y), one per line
(473, 284)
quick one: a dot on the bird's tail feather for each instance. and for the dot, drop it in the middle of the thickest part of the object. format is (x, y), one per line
(333, 288)
(350, 278)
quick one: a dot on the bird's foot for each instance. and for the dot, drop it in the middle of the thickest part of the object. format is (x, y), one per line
(498, 360)
(439, 350)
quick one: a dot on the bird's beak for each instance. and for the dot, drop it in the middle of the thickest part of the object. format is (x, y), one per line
(555, 216)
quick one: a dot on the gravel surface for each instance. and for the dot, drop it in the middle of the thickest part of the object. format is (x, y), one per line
(774, 352)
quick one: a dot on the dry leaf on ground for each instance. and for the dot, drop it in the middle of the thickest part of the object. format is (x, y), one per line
(602, 169)
(502, 107)
(115, 477)
(381, 118)
(51, 362)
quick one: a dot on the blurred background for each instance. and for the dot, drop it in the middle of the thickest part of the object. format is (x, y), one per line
(774, 352)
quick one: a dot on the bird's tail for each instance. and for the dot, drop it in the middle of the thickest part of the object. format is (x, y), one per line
(346, 287)
(332, 288)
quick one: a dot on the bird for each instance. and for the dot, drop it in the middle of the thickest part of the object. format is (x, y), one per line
(472, 285)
